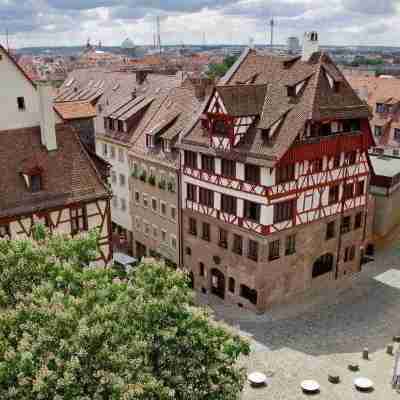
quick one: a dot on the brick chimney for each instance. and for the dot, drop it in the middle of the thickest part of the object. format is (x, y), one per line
(310, 45)
(47, 117)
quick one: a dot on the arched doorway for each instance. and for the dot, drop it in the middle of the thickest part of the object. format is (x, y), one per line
(322, 265)
(218, 283)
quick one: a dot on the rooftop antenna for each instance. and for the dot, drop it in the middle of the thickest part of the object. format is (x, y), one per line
(158, 34)
(272, 23)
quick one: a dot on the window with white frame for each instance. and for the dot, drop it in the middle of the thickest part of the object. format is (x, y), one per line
(164, 235)
(173, 242)
(137, 223)
(105, 150)
(146, 228)
(137, 197)
(173, 213)
(154, 204)
(115, 202)
(163, 208)
(155, 231)
(123, 204)
(121, 155)
(145, 200)
(122, 180)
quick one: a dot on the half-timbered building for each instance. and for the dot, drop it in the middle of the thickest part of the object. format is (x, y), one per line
(46, 174)
(274, 179)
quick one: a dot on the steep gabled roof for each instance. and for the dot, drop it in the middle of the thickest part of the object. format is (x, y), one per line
(315, 98)
(68, 173)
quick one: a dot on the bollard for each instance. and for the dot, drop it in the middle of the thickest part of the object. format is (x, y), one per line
(389, 349)
(365, 353)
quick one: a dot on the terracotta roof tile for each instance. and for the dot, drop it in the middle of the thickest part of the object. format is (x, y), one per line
(75, 110)
(69, 175)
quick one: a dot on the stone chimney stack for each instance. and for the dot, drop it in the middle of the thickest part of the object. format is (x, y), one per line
(47, 117)
(310, 45)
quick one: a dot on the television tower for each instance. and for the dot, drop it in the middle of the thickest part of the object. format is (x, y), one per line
(272, 24)
(158, 34)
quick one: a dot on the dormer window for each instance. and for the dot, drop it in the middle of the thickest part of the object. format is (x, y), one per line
(149, 141)
(120, 126)
(33, 181)
(220, 128)
(291, 91)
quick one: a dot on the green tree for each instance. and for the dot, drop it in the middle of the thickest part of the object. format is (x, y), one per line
(68, 331)
(216, 71)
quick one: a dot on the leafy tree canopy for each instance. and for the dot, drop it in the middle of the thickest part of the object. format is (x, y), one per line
(68, 331)
(216, 71)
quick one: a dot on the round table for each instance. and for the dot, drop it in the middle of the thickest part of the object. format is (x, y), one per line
(363, 383)
(257, 378)
(310, 386)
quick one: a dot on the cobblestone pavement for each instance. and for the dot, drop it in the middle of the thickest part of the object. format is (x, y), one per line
(323, 331)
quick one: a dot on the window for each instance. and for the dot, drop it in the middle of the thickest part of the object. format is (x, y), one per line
(274, 250)
(237, 244)
(206, 232)
(145, 200)
(113, 177)
(155, 231)
(5, 231)
(330, 230)
(228, 168)
(352, 253)
(206, 197)
(228, 204)
(231, 285)
(290, 245)
(253, 250)
(316, 165)
(223, 238)
(333, 194)
(284, 211)
(378, 130)
(190, 159)
(191, 192)
(36, 183)
(79, 221)
(137, 223)
(220, 127)
(252, 210)
(105, 150)
(380, 108)
(173, 242)
(397, 134)
(137, 197)
(121, 155)
(120, 126)
(173, 213)
(349, 253)
(359, 188)
(336, 161)
(291, 91)
(348, 191)
(358, 220)
(122, 180)
(345, 224)
(351, 157)
(285, 173)
(249, 294)
(115, 201)
(252, 174)
(163, 208)
(123, 204)
(193, 226)
(112, 152)
(154, 204)
(201, 269)
(207, 163)
(336, 86)
(21, 103)
(163, 235)
(146, 228)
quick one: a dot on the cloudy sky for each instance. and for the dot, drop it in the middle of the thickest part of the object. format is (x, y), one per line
(71, 22)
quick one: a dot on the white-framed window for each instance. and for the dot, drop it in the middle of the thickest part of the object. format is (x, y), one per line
(112, 152)
(137, 197)
(163, 208)
(115, 202)
(155, 231)
(173, 213)
(105, 150)
(164, 235)
(137, 223)
(173, 242)
(146, 228)
(145, 200)
(122, 180)
(113, 177)
(154, 204)
(121, 155)
(123, 204)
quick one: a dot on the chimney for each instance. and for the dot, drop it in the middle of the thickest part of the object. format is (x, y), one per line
(47, 117)
(310, 45)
